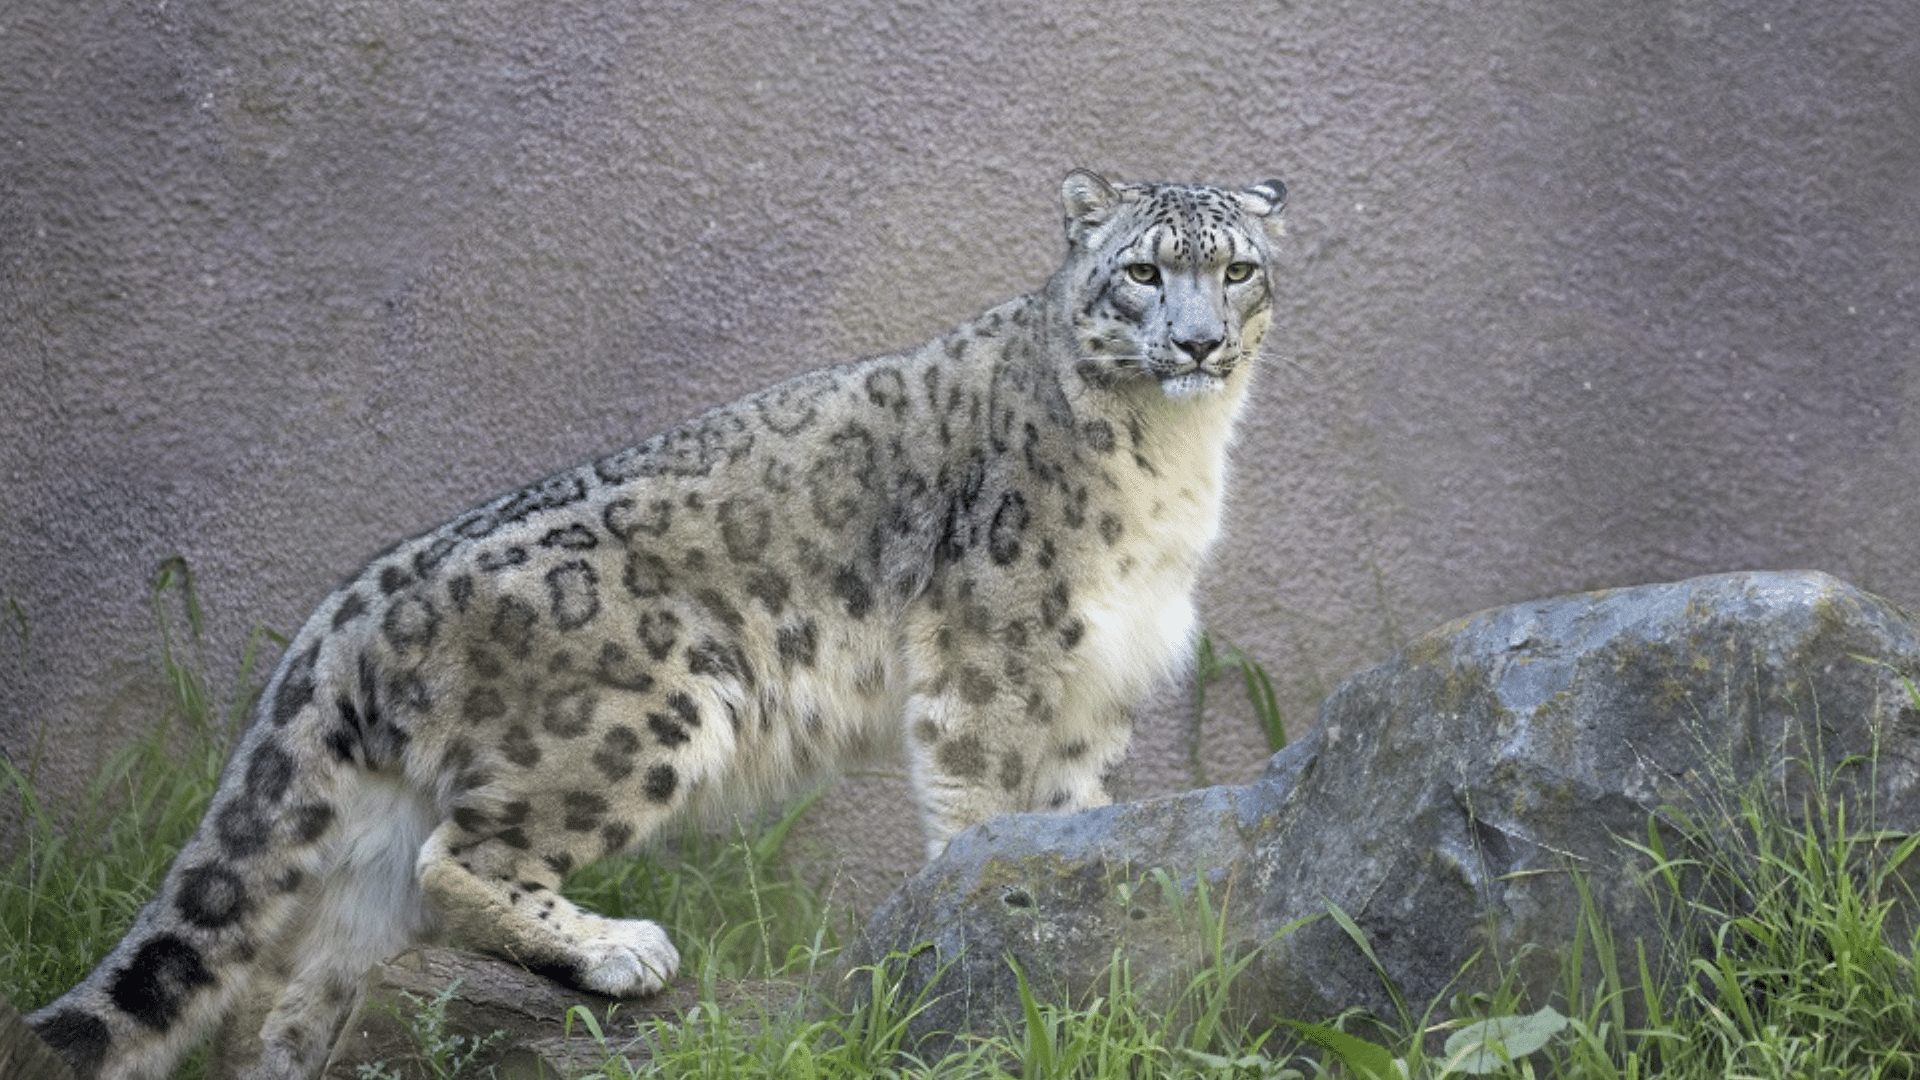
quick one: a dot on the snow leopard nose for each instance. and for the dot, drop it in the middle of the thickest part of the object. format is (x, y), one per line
(1198, 348)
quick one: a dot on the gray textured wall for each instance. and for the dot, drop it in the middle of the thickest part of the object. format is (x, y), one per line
(1580, 292)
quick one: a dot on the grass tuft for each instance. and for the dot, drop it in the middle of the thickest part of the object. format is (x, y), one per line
(74, 882)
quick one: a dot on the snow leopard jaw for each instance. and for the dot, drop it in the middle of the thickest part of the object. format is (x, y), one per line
(1192, 384)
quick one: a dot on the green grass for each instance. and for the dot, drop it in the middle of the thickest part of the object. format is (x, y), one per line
(1116, 1032)
(1213, 660)
(733, 903)
(75, 879)
(1793, 952)
(1789, 958)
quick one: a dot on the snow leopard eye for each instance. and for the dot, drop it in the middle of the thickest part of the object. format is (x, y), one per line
(1239, 272)
(1143, 273)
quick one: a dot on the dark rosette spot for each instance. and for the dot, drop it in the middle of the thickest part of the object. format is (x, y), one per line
(770, 588)
(269, 773)
(614, 758)
(513, 625)
(569, 713)
(692, 450)
(662, 782)
(411, 624)
(963, 757)
(616, 836)
(81, 1039)
(156, 985)
(574, 537)
(1009, 522)
(1074, 507)
(717, 660)
(296, 686)
(685, 707)
(1098, 435)
(1054, 604)
(501, 559)
(583, 811)
(887, 389)
(976, 686)
(520, 748)
(483, 703)
(429, 558)
(626, 518)
(720, 608)
(746, 527)
(1012, 771)
(476, 525)
(617, 668)
(647, 575)
(666, 730)
(789, 408)
(797, 644)
(350, 609)
(311, 821)
(549, 494)
(839, 482)
(574, 589)
(211, 896)
(460, 591)
(659, 631)
(854, 591)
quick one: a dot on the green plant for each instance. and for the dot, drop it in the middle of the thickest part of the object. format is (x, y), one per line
(1794, 963)
(446, 1056)
(1211, 663)
(803, 1039)
(733, 901)
(1792, 953)
(75, 879)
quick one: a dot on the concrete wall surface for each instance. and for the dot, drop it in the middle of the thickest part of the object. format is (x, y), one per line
(1579, 293)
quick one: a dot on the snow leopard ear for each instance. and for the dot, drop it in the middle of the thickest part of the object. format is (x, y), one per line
(1266, 198)
(1089, 200)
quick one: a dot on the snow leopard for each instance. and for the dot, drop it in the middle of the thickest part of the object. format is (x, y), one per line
(978, 555)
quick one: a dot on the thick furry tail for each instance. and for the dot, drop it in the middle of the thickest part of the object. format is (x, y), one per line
(286, 863)
(194, 947)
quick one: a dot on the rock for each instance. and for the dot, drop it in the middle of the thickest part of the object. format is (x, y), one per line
(1440, 801)
(521, 1019)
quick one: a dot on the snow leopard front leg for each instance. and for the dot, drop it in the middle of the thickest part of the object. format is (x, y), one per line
(506, 903)
(996, 726)
(494, 869)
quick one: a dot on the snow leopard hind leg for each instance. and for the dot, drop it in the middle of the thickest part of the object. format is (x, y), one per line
(476, 840)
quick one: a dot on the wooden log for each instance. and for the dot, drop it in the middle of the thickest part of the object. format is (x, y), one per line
(22, 1055)
(520, 1021)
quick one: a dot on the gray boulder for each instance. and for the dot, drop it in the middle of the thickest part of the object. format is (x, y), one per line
(1441, 801)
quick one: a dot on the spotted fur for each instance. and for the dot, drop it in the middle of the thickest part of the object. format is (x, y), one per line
(982, 550)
